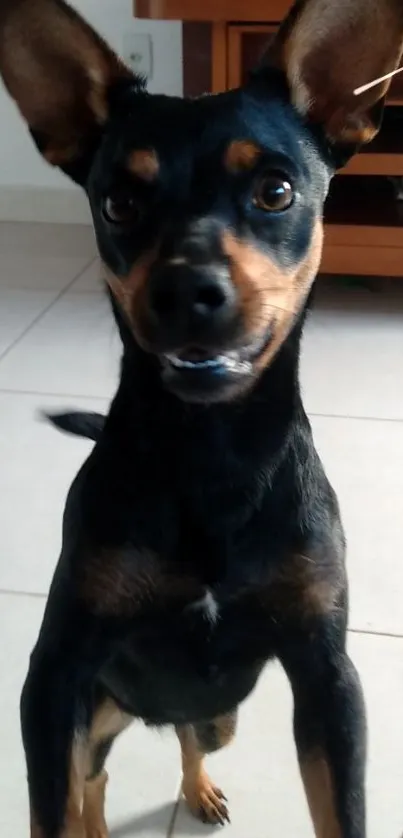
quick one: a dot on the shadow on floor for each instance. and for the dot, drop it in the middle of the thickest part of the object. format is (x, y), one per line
(161, 821)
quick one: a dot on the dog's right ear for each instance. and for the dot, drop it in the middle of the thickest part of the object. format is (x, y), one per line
(59, 72)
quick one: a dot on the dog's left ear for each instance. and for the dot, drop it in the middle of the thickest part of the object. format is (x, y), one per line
(60, 73)
(327, 49)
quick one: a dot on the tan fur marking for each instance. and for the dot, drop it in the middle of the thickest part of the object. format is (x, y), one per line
(225, 727)
(129, 291)
(118, 583)
(94, 807)
(122, 583)
(269, 294)
(109, 720)
(305, 588)
(204, 799)
(317, 780)
(241, 155)
(144, 164)
(73, 823)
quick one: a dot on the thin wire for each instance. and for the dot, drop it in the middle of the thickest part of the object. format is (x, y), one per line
(365, 87)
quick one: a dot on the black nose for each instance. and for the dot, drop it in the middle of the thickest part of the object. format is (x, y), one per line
(192, 300)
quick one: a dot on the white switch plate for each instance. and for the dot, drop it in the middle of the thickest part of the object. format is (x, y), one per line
(138, 53)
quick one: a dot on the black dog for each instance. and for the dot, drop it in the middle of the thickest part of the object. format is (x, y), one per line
(201, 537)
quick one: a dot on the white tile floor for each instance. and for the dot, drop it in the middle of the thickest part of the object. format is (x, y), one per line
(58, 348)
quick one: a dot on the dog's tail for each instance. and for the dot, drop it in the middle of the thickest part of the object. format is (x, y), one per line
(78, 423)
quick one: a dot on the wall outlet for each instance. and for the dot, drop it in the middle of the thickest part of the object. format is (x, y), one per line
(138, 53)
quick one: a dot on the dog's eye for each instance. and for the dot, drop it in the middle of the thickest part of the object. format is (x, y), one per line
(121, 208)
(274, 193)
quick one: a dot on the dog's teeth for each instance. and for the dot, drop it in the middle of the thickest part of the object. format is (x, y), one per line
(231, 362)
(181, 363)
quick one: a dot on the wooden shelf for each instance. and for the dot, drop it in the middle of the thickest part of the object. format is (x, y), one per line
(363, 229)
(248, 11)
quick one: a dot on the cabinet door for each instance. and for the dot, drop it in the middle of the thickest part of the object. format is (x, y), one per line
(246, 46)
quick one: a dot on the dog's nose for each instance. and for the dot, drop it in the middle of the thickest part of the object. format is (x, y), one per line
(192, 298)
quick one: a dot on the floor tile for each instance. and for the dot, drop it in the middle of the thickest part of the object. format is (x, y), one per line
(144, 766)
(38, 463)
(352, 356)
(74, 349)
(19, 270)
(51, 239)
(90, 279)
(18, 310)
(363, 460)
(259, 771)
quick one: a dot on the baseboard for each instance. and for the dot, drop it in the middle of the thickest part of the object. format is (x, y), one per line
(45, 205)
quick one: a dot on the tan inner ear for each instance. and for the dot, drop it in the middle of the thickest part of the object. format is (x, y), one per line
(58, 70)
(329, 48)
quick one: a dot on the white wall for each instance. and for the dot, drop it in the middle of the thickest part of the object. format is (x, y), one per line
(20, 164)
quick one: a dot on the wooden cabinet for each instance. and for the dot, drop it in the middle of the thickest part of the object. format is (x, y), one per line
(223, 40)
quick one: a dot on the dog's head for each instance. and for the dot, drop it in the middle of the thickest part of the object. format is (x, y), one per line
(208, 212)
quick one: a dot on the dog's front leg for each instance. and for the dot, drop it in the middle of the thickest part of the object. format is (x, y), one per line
(56, 710)
(329, 727)
(55, 748)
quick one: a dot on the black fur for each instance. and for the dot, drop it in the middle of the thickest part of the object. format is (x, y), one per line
(78, 423)
(189, 493)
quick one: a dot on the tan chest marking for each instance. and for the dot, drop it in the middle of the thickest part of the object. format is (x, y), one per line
(119, 583)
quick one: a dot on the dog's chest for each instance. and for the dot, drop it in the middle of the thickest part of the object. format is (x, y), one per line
(189, 649)
(192, 659)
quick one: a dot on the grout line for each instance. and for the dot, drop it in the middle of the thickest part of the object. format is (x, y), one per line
(371, 633)
(367, 632)
(36, 320)
(30, 594)
(6, 391)
(390, 634)
(172, 822)
(355, 418)
(92, 397)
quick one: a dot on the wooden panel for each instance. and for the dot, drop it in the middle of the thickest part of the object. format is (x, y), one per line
(246, 46)
(225, 10)
(375, 164)
(219, 70)
(355, 260)
(254, 42)
(197, 58)
(340, 235)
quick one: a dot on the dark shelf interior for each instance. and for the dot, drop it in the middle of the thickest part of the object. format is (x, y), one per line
(358, 200)
(390, 138)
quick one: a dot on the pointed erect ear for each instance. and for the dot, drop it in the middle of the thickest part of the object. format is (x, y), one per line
(327, 49)
(59, 71)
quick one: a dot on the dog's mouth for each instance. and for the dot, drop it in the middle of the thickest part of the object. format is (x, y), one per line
(238, 361)
(207, 374)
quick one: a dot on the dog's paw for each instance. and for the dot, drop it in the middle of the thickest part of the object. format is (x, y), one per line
(206, 801)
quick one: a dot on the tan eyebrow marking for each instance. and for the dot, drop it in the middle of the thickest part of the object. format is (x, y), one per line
(241, 155)
(144, 163)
